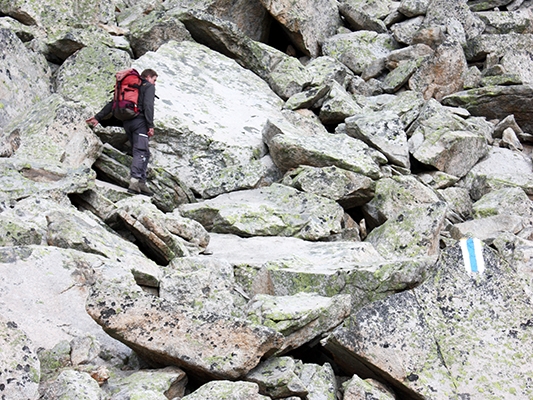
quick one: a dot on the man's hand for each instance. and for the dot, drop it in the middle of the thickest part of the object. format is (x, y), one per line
(92, 121)
(150, 132)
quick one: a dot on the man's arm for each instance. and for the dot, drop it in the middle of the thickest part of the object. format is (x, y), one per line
(104, 112)
(148, 105)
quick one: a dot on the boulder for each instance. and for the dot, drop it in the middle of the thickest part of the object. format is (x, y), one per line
(480, 310)
(301, 318)
(500, 168)
(55, 282)
(164, 235)
(214, 390)
(382, 131)
(287, 266)
(308, 24)
(292, 145)
(357, 50)
(46, 134)
(496, 102)
(18, 93)
(164, 333)
(285, 75)
(348, 188)
(276, 210)
(192, 122)
(205, 284)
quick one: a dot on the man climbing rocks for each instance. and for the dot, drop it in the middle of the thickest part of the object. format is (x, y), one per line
(139, 130)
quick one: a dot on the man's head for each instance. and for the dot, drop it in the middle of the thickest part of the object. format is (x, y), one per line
(150, 75)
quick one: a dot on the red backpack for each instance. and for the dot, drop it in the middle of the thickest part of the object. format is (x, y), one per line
(126, 97)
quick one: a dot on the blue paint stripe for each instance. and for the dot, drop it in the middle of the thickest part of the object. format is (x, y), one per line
(472, 254)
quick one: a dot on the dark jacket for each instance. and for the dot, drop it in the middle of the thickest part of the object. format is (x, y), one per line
(146, 107)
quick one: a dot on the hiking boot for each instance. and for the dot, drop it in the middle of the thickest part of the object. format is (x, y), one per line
(134, 187)
(145, 189)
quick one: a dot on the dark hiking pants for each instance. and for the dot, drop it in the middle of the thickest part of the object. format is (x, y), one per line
(136, 130)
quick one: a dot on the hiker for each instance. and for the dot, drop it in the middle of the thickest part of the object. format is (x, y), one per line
(139, 130)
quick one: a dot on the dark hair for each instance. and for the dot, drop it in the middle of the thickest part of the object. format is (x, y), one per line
(148, 73)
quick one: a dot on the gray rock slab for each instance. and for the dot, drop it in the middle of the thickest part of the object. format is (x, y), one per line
(286, 266)
(209, 117)
(54, 282)
(501, 168)
(276, 210)
(215, 390)
(164, 333)
(18, 93)
(497, 102)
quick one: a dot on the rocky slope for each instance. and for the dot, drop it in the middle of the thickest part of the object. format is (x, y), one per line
(342, 201)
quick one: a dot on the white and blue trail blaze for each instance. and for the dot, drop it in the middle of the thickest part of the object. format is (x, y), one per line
(473, 255)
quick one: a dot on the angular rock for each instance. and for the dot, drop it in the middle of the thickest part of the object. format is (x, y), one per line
(83, 350)
(164, 333)
(359, 19)
(357, 50)
(55, 285)
(405, 31)
(293, 145)
(18, 94)
(276, 210)
(501, 168)
(496, 102)
(450, 330)
(358, 389)
(325, 69)
(413, 8)
(285, 75)
(214, 390)
(166, 383)
(308, 24)
(309, 98)
(488, 228)
(166, 236)
(439, 138)
(411, 234)
(20, 366)
(383, 131)
(459, 203)
(249, 16)
(71, 229)
(481, 5)
(88, 76)
(20, 179)
(337, 106)
(442, 74)
(510, 200)
(300, 318)
(277, 378)
(286, 266)
(395, 195)
(151, 31)
(503, 22)
(205, 284)
(72, 383)
(348, 188)
(454, 16)
(319, 380)
(45, 134)
(399, 76)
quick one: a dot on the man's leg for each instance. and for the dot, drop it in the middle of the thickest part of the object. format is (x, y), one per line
(139, 164)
